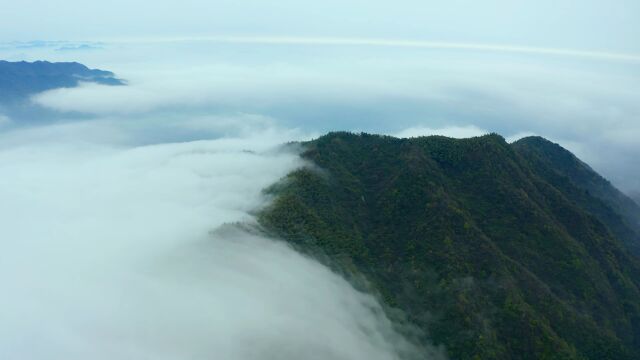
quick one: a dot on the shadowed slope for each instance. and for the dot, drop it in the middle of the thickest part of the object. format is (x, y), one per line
(566, 172)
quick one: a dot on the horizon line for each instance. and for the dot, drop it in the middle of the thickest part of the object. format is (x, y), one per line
(392, 42)
(360, 42)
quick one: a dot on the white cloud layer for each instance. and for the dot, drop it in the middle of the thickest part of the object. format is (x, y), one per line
(107, 254)
(584, 104)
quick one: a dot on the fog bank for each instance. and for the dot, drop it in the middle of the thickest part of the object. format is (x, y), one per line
(113, 251)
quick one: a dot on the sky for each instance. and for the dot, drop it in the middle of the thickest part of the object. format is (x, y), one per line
(132, 188)
(590, 24)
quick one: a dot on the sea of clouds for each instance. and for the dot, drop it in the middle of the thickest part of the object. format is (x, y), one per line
(115, 250)
(587, 102)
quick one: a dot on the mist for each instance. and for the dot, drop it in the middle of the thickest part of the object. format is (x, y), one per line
(587, 104)
(121, 251)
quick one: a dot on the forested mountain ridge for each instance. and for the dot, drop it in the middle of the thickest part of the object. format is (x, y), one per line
(487, 247)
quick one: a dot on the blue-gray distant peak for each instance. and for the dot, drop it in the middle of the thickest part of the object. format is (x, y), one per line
(19, 80)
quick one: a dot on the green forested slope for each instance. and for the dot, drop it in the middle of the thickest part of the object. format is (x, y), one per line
(486, 248)
(566, 172)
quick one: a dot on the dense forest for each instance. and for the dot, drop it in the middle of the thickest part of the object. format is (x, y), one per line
(492, 250)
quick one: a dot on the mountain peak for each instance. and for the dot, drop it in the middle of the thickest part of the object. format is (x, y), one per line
(553, 151)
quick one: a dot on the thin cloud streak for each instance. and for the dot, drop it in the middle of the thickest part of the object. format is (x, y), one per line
(403, 43)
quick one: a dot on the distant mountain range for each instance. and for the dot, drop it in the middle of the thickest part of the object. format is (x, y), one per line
(494, 250)
(20, 80)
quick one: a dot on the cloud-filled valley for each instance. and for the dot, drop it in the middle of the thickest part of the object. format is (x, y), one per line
(123, 252)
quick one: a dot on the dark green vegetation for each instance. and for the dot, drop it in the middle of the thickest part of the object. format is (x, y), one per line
(495, 251)
(585, 187)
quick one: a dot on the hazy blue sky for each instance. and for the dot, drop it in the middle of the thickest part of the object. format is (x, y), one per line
(587, 24)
